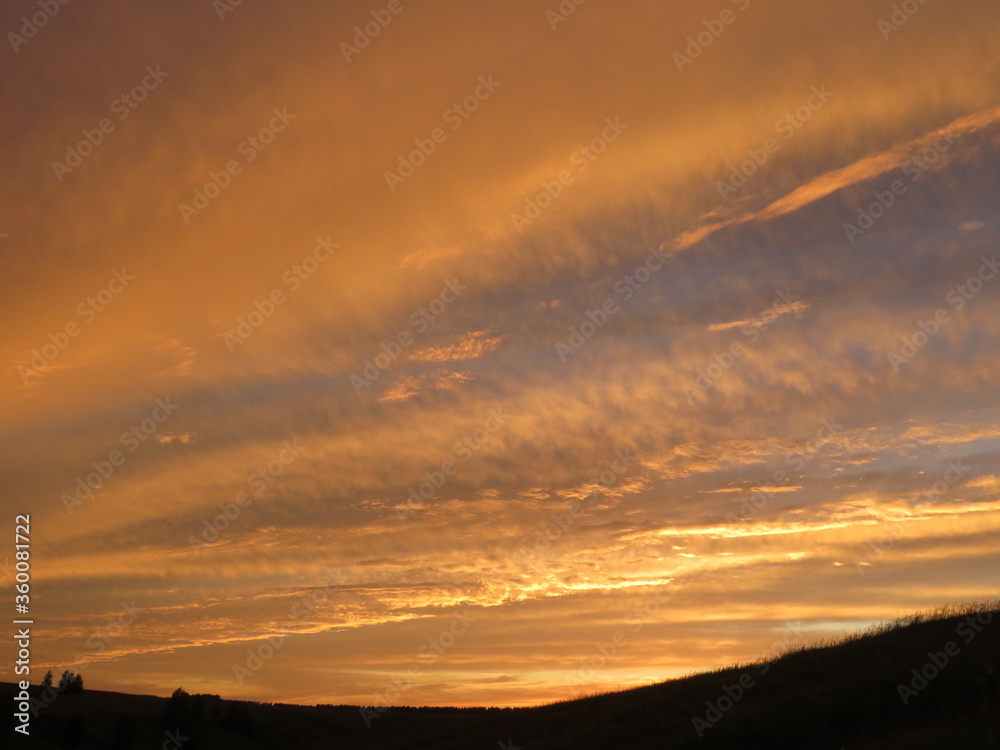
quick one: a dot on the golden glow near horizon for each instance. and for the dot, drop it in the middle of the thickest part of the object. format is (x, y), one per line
(494, 353)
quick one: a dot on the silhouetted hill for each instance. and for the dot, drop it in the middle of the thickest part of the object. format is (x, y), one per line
(926, 682)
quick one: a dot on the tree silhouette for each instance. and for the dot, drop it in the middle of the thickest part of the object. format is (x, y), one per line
(178, 707)
(47, 680)
(70, 683)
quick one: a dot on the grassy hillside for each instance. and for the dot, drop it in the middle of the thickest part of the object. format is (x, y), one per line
(927, 682)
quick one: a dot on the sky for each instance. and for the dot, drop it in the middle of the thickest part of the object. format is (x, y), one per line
(494, 353)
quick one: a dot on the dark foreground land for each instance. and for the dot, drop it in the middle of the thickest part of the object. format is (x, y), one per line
(848, 695)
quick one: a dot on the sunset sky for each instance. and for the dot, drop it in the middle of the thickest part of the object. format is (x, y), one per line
(439, 358)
